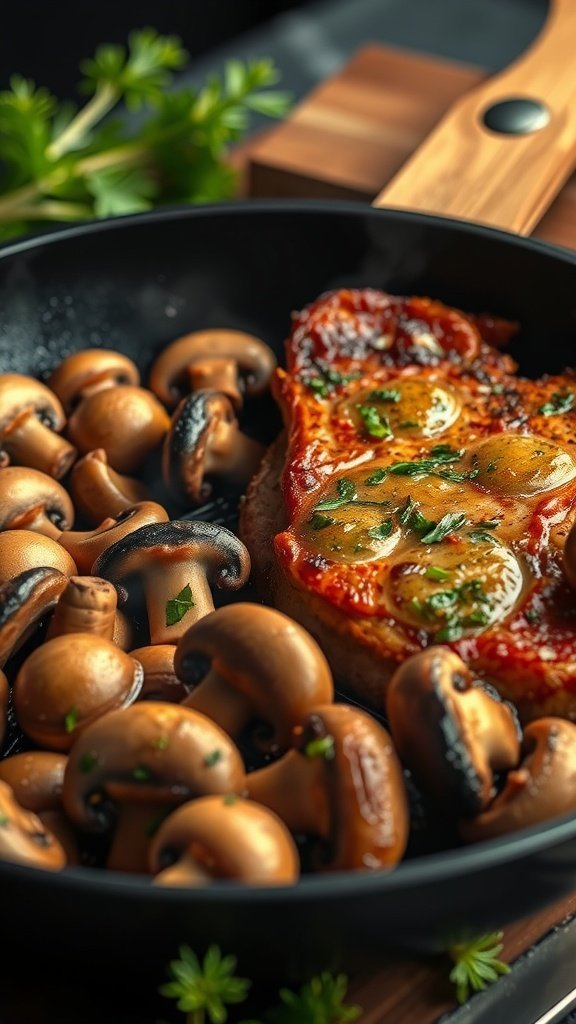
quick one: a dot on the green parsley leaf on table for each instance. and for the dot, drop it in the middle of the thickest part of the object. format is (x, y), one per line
(61, 164)
(476, 965)
(204, 989)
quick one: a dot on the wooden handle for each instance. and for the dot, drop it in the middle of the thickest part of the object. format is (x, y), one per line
(467, 170)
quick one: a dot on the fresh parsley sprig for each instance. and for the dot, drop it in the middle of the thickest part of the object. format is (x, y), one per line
(62, 164)
(476, 964)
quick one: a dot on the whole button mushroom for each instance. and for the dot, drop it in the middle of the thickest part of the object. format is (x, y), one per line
(99, 491)
(24, 839)
(87, 605)
(3, 707)
(262, 666)
(127, 422)
(131, 767)
(542, 787)
(160, 679)
(214, 838)
(36, 779)
(218, 359)
(86, 546)
(30, 419)
(24, 602)
(21, 550)
(178, 563)
(205, 442)
(70, 681)
(344, 785)
(91, 370)
(30, 500)
(452, 734)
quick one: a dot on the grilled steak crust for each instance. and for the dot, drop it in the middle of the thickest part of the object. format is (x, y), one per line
(421, 494)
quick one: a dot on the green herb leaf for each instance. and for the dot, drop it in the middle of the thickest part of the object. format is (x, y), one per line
(230, 799)
(4, 820)
(71, 720)
(434, 572)
(213, 758)
(483, 537)
(458, 478)
(559, 403)
(161, 743)
(532, 615)
(346, 489)
(320, 1001)
(448, 524)
(406, 511)
(205, 988)
(179, 606)
(141, 773)
(320, 522)
(88, 762)
(419, 523)
(382, 531)
(377, 477)
(374, 423)
(385, 395)
(321, 747)
(453, 630)
(476, 964)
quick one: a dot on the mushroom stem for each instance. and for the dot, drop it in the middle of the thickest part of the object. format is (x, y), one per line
(135, 826)
(99, 491)
(294, 789)
(216, 699)
(162, 591)
(248, 453)
(216, 375)
(36, 519)
(88, 605)
(29, 442)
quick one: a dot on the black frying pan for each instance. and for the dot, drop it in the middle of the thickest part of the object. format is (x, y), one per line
(135, 284)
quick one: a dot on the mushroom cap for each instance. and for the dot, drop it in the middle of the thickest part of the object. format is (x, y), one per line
(18, 392)
(451, 732)
(87, 605)
(99, 491)
(255, 361)
(187, 454)
(24, 600)
(151, 752)
(226, 559)
(264, 656)
(543, 787)
(86, 547)
(35, 501)
(23, 837)
(88, 368)
(21, 550)
(160, 679)
(215, 837)
(68, 682)
(128, 422)
(4, 694)
(36, 778)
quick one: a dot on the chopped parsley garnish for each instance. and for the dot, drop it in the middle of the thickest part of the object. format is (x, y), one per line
(385, 395)
(491, 467)
(378, 477)
(419, 523)
(458, 478)
(4, 820)
(321, 747)
(435, 572)
(320, 522)
(88, 762)
(230, 799)
(179, 606)
(439, 455)
(483, 536)
(448, 606)
(406, 511)
(324, 382)
(374, 423)
(559, 403)
(448, 524)
(489, 524)
(346, 489)
(382, 531)
(213, 758)
(318, 386)
(407, 424)
(532, 615)
(141, 773)
(161, 743)
(71, 720)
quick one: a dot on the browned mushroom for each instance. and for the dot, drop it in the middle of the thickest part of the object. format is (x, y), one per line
(178, 563)
(30, 418)
(3, 707)
(344, 785)
(21, 550)
(70, 681)
(132, 766)
(262, 665)
(452, 733)
(99, 491)
(88, 371)
(24, 602)
(220, 359)
(123, 635)
(217, 837)
(87, 605)
(127, 422)
(30, 500)
(36, 779)
(160, 679)
(23, 837)
(542, 787)
(205, 443)
(86, 546)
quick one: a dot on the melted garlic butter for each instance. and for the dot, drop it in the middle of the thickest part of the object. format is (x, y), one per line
(411, 407)
(517, 466)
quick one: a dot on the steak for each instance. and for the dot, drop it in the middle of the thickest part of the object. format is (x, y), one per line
(421, 493)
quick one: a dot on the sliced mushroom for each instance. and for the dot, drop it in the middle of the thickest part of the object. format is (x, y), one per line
(86, 546)
(21, 550)
(178, 563)
(70, 681)
(88, 371)
(36, 779)
(344, 785)
(262, 665)
(220, 359)
(30, 419)
(87, 605)
(4, 692)
(203, 442)
(99, 491)
(30, 500)
(23, 837)
(131, 767)
(452, 733)
(542, 787)
(160, 679)
(217, 837)
(128, 423)
(24, 602)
